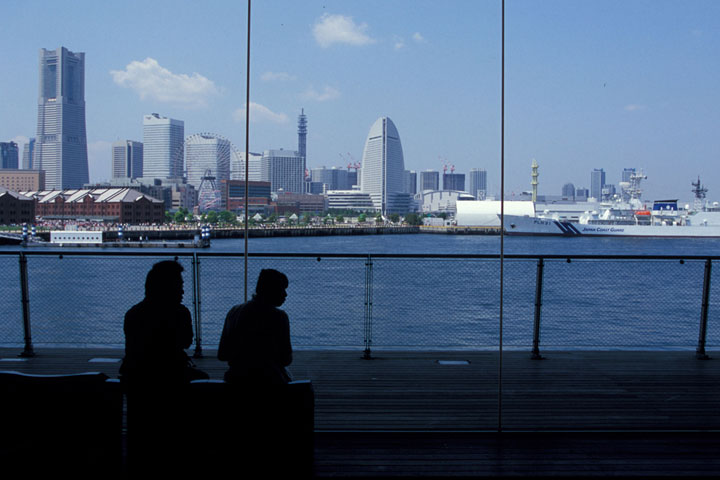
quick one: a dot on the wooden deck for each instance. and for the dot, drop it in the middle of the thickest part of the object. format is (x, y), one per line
(413, 413)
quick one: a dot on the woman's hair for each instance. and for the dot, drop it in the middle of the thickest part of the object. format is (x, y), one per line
(162, 278)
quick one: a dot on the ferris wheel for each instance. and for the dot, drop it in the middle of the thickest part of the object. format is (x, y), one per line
(208, 161)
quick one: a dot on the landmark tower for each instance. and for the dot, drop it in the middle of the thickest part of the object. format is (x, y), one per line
(61, 142)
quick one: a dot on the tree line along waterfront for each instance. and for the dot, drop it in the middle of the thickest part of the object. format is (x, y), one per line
(331, 217)
(184, 220)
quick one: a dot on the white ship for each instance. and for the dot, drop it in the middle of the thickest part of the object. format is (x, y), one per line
(628, 218)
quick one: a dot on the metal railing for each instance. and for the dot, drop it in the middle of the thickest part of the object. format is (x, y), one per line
(370, 302)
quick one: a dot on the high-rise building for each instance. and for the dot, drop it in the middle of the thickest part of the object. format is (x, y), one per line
(163, 147)
(335, 178)
(383, 168)
(285, 169)
(28, 158)
(625, 182)
(207, 152)
(8, 155)
(608, 191)
(127, 159)
(627, 174)
(597, 182)
(410, 182)
(354, 177)
(61, 142)
(454, 181)
(430, 180)
(568, 191)
(237, 166)
(477, 183)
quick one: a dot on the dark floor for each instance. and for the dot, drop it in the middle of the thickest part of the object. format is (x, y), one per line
(438, 413)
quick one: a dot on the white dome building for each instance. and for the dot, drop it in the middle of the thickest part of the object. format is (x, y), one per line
(383, 169)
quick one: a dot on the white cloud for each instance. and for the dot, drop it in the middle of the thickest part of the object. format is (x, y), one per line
(399, 42)
(634, 107)
(328, 93)
(99, 160)
(259, 113)
(332, 29)
(277, 77)
(418, 38)
(152, 81)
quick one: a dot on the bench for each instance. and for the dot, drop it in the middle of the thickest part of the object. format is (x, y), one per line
(73, 423)
(257, 431)
(60, 423)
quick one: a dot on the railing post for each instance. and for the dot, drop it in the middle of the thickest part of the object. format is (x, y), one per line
(25, 298)
(700, 352)
(538, 305)
(368, 307)
(196, 306)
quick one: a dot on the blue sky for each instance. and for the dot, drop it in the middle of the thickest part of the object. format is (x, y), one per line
(589, 83)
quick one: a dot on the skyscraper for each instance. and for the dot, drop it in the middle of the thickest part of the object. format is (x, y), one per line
(411, 182)
(429, 180)
(626, 182)
(568, 191)
(127, 159)
(61, 142)
(163, 147)
(285, 169)
(597, 182)
(627, 174)
(383, 168)
(336, 178)
(454, 181)
(207, 152)
(237, 166)
(477, 183)
(8, 155)
(28, 158)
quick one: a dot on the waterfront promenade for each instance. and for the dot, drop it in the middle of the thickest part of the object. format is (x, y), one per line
(188, 232)
(437, 413)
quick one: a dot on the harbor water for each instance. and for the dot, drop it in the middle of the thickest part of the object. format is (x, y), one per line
(424, 302)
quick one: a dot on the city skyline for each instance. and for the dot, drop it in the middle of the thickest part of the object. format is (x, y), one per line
(597, 84)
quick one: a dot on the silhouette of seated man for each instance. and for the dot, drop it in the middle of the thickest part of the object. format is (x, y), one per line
(255, 340)
(158, 330)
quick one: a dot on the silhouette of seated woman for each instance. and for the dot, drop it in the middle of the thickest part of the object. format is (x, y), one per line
(255, 340)
(157, 332)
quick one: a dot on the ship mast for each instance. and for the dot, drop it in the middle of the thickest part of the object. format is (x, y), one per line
(700, 193)
(534, 182)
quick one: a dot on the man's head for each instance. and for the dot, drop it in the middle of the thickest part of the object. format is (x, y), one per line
(271, 286)
(164, 282)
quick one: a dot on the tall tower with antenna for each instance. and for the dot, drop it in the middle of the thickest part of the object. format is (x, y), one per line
(302, 147)
(302, 133)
